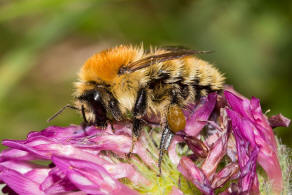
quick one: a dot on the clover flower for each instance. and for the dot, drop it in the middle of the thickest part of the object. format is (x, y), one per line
(227, 147)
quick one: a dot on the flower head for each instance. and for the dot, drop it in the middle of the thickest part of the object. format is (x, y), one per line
(218, 152)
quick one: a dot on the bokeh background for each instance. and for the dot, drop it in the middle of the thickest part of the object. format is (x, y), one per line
(43, 43)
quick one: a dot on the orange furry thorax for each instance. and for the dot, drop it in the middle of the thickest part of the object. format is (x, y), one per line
(104, 66)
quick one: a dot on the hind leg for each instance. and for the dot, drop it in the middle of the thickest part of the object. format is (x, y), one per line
(175, 122)
(165, 141)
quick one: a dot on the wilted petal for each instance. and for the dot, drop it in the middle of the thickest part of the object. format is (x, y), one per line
(231, 148)
(90, 178)
(201, 114)
(254, 127)
(225, 174)
(243, 132)
(279, 121)
(195, 175)
(214, 157)
(211, 139)
(197, 146)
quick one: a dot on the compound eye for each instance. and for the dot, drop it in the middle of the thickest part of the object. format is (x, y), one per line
(96, 96)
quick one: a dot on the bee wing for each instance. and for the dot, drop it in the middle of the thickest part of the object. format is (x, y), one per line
(174, 48)
(171, 54)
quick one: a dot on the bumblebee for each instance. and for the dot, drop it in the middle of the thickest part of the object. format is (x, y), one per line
(128, 83)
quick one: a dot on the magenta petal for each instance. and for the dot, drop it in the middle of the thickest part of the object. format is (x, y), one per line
(201, 114)
(116, 143)
(243, 126)
(279, 121)
(243, 132)
(195, 175)
(28, 146)
(262, 123)
(62, 134)
(90, 178)
(121, 144)
(250, 124)
(239, 105)
(44, 148)
(19, 166)
(56, 182)
(11, 154)
(251, 110)
(38, 175)
(20, 183)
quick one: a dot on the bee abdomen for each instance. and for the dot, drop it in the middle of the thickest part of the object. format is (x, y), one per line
(184, 80)
(201, 90)
(203, 77)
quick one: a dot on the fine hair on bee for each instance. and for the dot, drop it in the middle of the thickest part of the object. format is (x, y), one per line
(128, 83)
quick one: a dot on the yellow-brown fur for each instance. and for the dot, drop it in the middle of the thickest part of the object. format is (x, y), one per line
(102, 69)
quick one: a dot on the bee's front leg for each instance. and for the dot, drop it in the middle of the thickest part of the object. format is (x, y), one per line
(138, 112)
(85, 122)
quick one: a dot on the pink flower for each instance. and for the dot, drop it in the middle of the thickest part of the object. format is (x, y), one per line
(223, 140)
(254, 133)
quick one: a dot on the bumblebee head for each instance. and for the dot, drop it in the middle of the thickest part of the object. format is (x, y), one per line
(94, 107)
(99, 105)
(96, 78)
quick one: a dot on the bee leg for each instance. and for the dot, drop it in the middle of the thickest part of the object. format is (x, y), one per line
(165, 141)
(138, 112)
(137, 126)
(85, 123)
(175, 122)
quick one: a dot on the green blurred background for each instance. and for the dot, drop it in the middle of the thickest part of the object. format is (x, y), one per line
(43, 43)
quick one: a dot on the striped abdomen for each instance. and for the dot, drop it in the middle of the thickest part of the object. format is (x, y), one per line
(182, 81)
